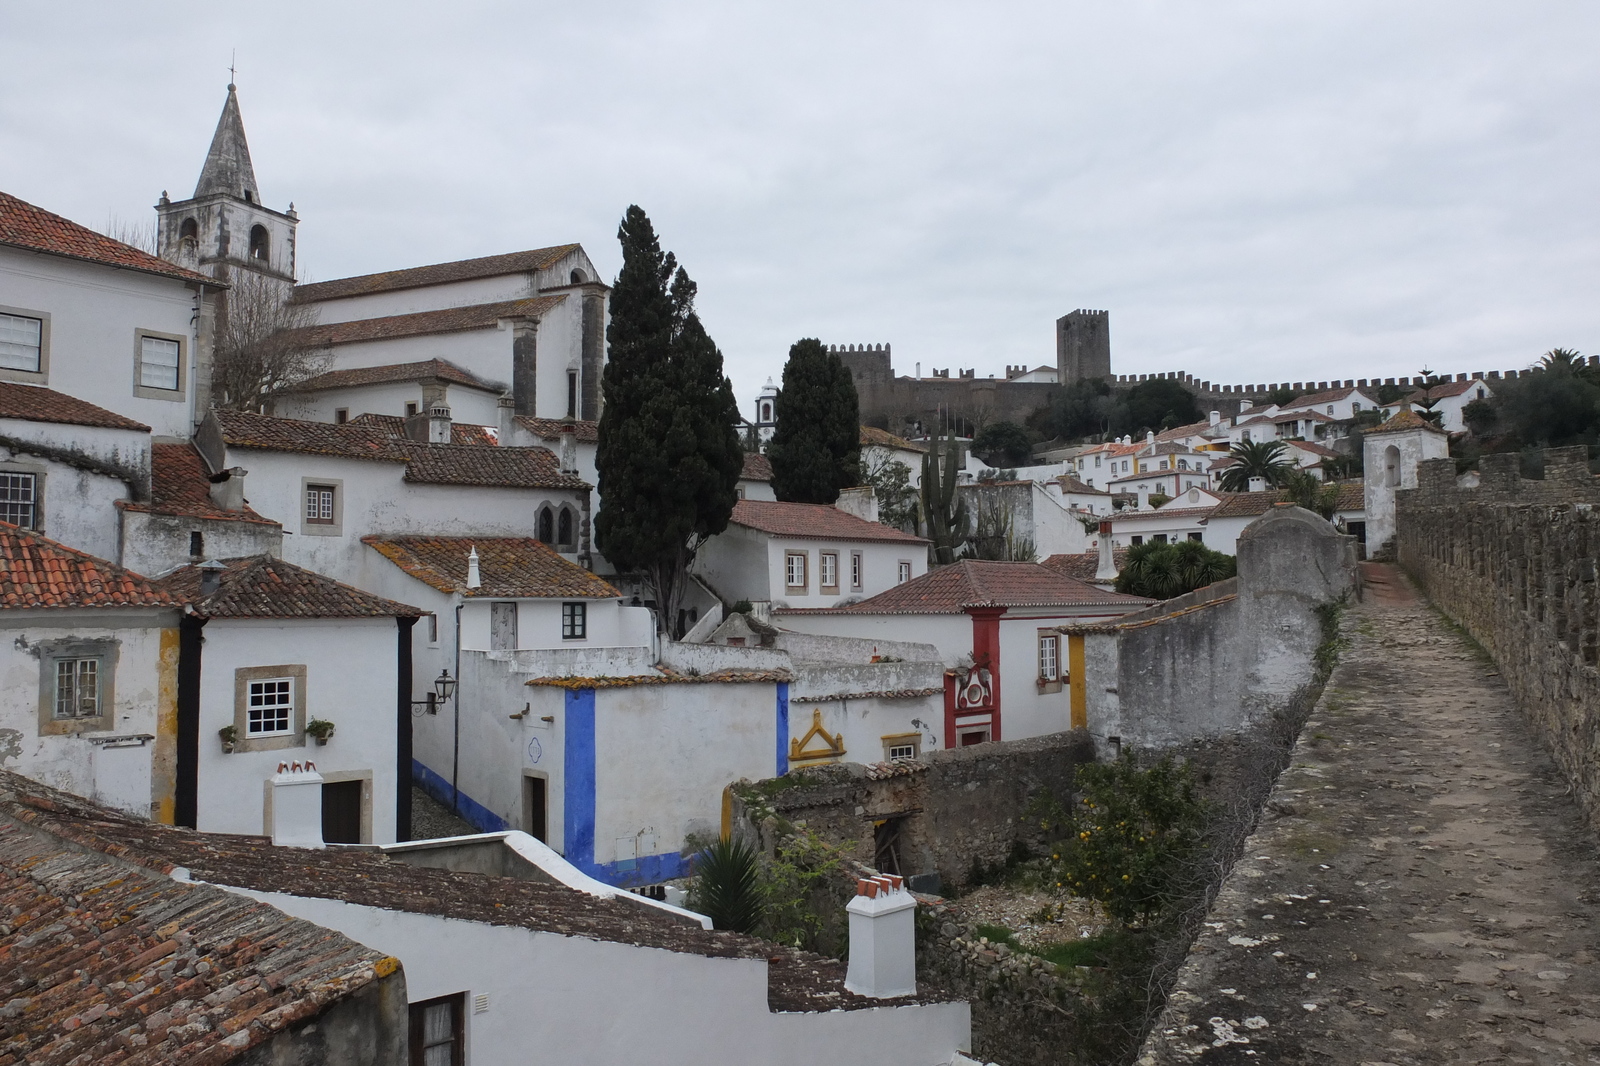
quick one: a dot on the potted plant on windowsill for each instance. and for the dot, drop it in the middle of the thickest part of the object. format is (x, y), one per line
(230, 737)
(319, 728)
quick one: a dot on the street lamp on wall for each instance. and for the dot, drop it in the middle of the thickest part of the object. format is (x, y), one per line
(443, 687)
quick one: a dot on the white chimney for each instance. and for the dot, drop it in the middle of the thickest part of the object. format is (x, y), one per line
(1107, 570)
(861, 501)
(1216, 417)
(297, 806)
(1244, 405)
(1144, 498)
(883, 939)
(1258, 484)
(1149, 436)
(473, 579)
(227, 489)
(507, 421)
(569, 447)
(439, 424)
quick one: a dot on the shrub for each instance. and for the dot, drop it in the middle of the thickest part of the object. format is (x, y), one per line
(727, 887)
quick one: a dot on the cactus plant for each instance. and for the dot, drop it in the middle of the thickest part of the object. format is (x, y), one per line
(943, 509)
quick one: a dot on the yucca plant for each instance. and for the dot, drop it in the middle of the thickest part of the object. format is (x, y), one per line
(727, 888)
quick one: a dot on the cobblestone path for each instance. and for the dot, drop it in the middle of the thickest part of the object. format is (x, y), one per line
(1421, 889)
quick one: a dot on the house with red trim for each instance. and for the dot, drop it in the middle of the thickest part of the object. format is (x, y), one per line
(1009, 674)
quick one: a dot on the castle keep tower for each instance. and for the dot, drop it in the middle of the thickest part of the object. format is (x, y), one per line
(1083, 346)
(224, 226)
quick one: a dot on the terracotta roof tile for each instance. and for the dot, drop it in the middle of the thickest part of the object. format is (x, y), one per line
(260, 586)
(882, 438)
(1167, 513)
(1193, 429)
(488, 266)
(1405, 419)
(715, 677)
(460, 432)
(1082, 565)
(813, 521)
(757, 467)
(421, 323)
(1330, 396)
(1069, 483)
(427, 464)
(23, 225)
(426, 370)
(37, 572)
(1447, 389)
(507, 566)
(796, 980)
(1313, 448)
(1352, 497)
(34, 403)
(981, 583)
(550, 428)
(180, 485)
(102, 961)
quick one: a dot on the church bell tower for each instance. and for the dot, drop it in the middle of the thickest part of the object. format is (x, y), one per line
(224, 227)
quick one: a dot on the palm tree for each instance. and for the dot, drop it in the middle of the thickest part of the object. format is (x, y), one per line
(1256, 459)
(1561, 361)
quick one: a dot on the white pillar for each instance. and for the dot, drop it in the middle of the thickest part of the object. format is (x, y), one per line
(297, 806)
(883, 939)
(1107, 570)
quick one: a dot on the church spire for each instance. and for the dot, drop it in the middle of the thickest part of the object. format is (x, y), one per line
(228, 168)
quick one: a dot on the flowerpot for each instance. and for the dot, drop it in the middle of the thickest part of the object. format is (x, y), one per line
(227, 749)
(321, 741)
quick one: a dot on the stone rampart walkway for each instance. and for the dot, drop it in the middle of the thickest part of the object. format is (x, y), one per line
(1421, 889)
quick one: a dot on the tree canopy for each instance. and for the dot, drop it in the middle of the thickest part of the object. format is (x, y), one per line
(1162, 571)
(1003, 444)
(815, 450)
(1253, 459)
(1095, 409)
(668, 456)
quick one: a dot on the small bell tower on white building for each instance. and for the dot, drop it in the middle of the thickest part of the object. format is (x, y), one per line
(225, 227)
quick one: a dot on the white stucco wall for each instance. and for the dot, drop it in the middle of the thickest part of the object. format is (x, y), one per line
(78, 506)
(610, 624)
(580, 1001)
(153, 544)
(497, 289)
(864, 723)
(1385, 472)
(1026, 711)
(746, 564)
(350, 675)
(377, 500)
(94, 312)
(950, 633)
(145, 685)
(467, 406)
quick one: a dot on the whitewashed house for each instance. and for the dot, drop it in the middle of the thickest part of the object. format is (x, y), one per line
(66, 464)
(187, 517)
(1181, 518)
(401, 390)
(1238, 510)
(879, 447)
(1038, 516)
(806, 554)
(267, 650)
(99, 320)
(1392, 452)
(755, 479)
(330, 485)
(1450, 399)
(1008, 674)
(89, 655)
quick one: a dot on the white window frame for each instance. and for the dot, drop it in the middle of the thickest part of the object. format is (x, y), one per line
(69, 672)
(35, 503)
(41, 374)
(319, 527)
(897, 746)
(789, 570)
(857, 571)
(1050, 657)
(904, 571)
(159, 392)
(828, 566)
(256, 693)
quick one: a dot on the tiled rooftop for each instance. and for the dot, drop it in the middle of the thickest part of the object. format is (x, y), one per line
(507, 566)
(797, 980)
(35, 403)
(37, 572)
(423, 323)
(1404, 419)
(426, 370)
(1167, 513)
(1448, 388)
(1082, 565)
(22, 225)
(1352, 497)
(982, 583)
(179, 485)
(104, 962)
(882, 438)
(813, 521)
(488, 266)
(584, 432)
(263, 587)
(428, 464)
(395, 427)
(666, 677)
(757, 467)
(1069, 483)
(1330, 396)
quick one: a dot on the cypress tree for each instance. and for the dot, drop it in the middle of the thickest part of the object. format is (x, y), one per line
(668, 457)
(816, 448)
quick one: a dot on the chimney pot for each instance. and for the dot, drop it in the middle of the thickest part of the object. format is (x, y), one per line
(883, 951)
(297, 806)
(473, 579)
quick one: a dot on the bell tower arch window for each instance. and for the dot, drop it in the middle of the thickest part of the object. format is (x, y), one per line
(260, 243)
(566, 537)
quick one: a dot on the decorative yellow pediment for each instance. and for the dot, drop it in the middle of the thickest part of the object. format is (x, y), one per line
(830, 745)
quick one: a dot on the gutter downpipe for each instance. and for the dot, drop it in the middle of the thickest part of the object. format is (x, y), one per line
(455, 760)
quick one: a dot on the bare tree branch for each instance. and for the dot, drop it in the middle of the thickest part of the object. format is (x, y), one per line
(263, 344)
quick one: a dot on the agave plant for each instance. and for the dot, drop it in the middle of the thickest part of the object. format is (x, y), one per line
(1162, 571)
(727, 888)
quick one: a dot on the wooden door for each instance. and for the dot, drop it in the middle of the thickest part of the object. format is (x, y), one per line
(535, 816)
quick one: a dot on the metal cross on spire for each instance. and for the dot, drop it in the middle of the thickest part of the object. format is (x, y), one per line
(233, 57)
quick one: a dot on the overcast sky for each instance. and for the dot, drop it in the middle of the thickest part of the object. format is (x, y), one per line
(1255, 191)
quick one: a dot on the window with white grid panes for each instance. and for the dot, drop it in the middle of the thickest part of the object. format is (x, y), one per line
(828, 570)
(271, 708)
(319, 504)
(158, 363)
(77, 688)
(794, 570)
(1049, 658)
(19, 499)
(21, 343)
(855, 571)
(905, 571)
